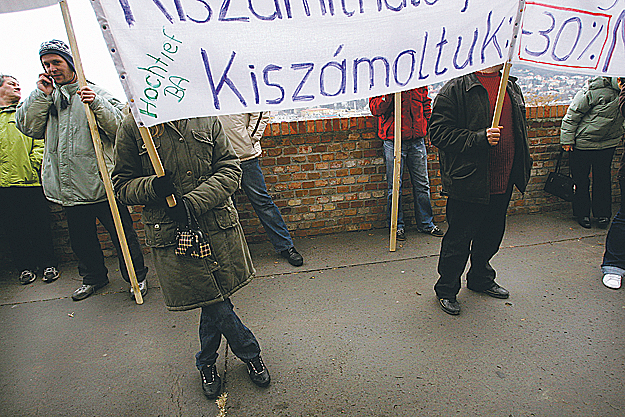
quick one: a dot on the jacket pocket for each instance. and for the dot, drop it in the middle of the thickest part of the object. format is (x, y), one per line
(203, 145)
(226, 217)
(160, 230)
(463, 171)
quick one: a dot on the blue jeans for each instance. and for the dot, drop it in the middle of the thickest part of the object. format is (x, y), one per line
(253, 185)
(217, 319)
(614, 256)
(415, 156)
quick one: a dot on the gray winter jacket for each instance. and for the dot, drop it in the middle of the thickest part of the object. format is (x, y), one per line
(70, 174)
(593, 120)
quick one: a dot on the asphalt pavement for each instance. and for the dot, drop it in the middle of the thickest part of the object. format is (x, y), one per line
(355, 331)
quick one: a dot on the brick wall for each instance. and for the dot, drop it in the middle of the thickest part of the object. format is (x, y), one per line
(328, 176)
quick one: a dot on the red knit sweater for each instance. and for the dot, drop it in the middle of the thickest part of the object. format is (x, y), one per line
(501, 155)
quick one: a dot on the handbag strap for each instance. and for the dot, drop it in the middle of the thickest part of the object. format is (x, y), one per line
(190, 216)
(260, 116)
(559, 160)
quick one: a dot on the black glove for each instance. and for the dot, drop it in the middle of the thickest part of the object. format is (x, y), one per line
(178, 213)
(163, 186)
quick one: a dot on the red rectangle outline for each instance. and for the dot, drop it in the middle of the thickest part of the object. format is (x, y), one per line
(548, 6)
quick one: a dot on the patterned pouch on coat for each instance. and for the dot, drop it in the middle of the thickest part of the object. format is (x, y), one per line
(191, 241)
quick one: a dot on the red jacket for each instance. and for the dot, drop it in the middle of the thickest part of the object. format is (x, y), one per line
(415, 111)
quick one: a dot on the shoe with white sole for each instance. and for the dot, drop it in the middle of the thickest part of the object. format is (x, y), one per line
(612, 281)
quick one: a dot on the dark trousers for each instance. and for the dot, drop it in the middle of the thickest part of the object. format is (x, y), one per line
(614, 256)
(220, 319)
(475, 231)
(25, 216)
(600, 163)
(81, 222)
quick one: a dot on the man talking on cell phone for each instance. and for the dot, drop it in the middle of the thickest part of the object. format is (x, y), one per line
(55, 112)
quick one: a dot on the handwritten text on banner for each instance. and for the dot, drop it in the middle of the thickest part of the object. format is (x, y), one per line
(579, 36)
(186, 58)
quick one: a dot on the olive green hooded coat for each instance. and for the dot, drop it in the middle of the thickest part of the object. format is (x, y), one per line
(206, 171)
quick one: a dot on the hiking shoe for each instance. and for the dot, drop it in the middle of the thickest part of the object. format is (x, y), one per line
(26, 277)
(143, 288)
(401, 235)
(211, 381)
(258, 372)
(50, 274)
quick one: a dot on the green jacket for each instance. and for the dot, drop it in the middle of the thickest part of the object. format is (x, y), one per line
(206, 171)
(20, 155)
(69, 172)
(593, 120)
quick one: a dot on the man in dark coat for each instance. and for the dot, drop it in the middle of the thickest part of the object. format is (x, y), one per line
(479, 166)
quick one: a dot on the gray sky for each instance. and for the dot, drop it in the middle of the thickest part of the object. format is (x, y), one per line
(25, 31)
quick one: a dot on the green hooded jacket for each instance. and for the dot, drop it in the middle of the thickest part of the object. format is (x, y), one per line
(593, 120)
(20, 155)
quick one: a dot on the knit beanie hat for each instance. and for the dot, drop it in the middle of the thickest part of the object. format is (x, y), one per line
(57, 47)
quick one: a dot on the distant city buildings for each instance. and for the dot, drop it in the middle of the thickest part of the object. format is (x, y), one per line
(540, 87)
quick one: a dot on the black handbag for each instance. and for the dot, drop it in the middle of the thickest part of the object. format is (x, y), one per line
(191, 241)
(559, 184)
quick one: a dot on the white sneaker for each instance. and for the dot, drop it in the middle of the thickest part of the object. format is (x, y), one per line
(612, 281)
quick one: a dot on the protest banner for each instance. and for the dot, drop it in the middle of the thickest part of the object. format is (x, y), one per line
(10, 6)
(579, 36)
(187, 58)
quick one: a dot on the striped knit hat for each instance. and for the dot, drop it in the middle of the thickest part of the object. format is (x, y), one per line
(57, 47)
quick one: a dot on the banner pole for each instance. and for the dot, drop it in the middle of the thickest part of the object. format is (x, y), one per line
(155, 159)
(501, 94)
(97, 144)
(396, 173)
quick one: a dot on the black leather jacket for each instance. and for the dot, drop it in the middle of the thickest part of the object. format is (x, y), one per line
(460, 116)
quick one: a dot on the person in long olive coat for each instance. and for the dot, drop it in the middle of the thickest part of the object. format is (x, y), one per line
(202, 171)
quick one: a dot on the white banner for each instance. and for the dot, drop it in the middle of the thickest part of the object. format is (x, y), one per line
(580, 36)
(189, 58)
(10, 6)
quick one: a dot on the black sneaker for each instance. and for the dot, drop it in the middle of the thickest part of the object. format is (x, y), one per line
(258, 372)
(143, 288)
(401, 235)
(293, 256)
(26, 277)
(211, 381)
(435, 231)
(50, 274)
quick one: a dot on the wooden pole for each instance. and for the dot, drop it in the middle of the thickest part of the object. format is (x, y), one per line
(501, 94)
(155, 159)
(97, 144)
(396, 173)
